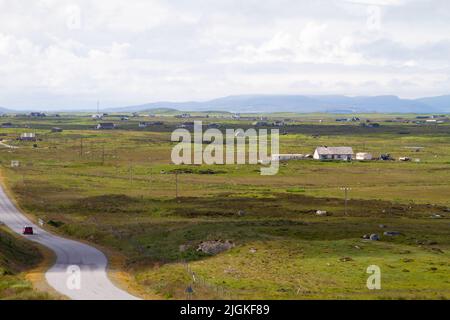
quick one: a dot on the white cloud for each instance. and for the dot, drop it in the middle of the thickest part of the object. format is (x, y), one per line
(64, 53)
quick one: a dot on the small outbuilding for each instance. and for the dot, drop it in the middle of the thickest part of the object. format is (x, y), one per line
(7, 125)
(56, 129)
(27, 136)
(106, 126)
(364, 156)
(183, 116)
(278, 123)
(37, 114)
(145, 124)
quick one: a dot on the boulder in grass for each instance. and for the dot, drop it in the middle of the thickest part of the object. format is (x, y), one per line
(215, 247)
(374, 237)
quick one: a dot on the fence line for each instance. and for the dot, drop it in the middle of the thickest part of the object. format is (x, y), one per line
(201, 282)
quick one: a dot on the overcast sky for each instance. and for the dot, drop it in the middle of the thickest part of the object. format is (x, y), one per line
(67, 54)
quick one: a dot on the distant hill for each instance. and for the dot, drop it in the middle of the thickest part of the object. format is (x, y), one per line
(442, 102)
(161, 110)
(266, 103)
(303, 104)
(164, 107)
(4, 110)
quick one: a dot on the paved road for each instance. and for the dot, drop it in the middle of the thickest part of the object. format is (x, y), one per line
(3, 143)
(94, 283)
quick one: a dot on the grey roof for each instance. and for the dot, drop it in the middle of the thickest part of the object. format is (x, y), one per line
(334, 150)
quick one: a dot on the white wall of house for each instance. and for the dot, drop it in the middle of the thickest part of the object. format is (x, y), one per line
(343, 157)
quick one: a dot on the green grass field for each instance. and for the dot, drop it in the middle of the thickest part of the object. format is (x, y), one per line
(116, 189)
(17, 256)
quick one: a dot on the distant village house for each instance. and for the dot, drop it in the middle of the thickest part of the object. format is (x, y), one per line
(97, 116)
(28, 136)
(106, 126)
(186, 125)
(261, 124)
(183, 116)
(37, 114)
(146, 124)
(7, 125)
(278, 123)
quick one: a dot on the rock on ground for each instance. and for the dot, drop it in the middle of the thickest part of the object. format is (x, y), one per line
(215, 247)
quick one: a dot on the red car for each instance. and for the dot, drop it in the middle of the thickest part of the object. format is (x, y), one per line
(27, 231)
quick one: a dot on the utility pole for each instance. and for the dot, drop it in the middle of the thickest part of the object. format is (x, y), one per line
(81, 147)
(131, 172)
(346, 189)
(176, 185)
(103, 155)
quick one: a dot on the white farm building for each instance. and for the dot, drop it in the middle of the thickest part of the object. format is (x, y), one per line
(333, 153)
(363, 156)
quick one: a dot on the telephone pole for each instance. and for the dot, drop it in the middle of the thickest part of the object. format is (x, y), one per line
(346, 190)
(103, 155)
(131, 172)
(81, 147)
(176, 185)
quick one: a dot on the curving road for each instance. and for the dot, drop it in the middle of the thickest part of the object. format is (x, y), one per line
(3, 143)
(91, 264)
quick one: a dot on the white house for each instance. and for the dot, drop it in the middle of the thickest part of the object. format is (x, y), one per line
(363, 156)
(28, 136)
(278, 123)
(183, 116)
(105, 126)
(333, 153)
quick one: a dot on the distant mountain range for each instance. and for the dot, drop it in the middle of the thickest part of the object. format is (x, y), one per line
(4, 110)
(293, 103)
(302, 104)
